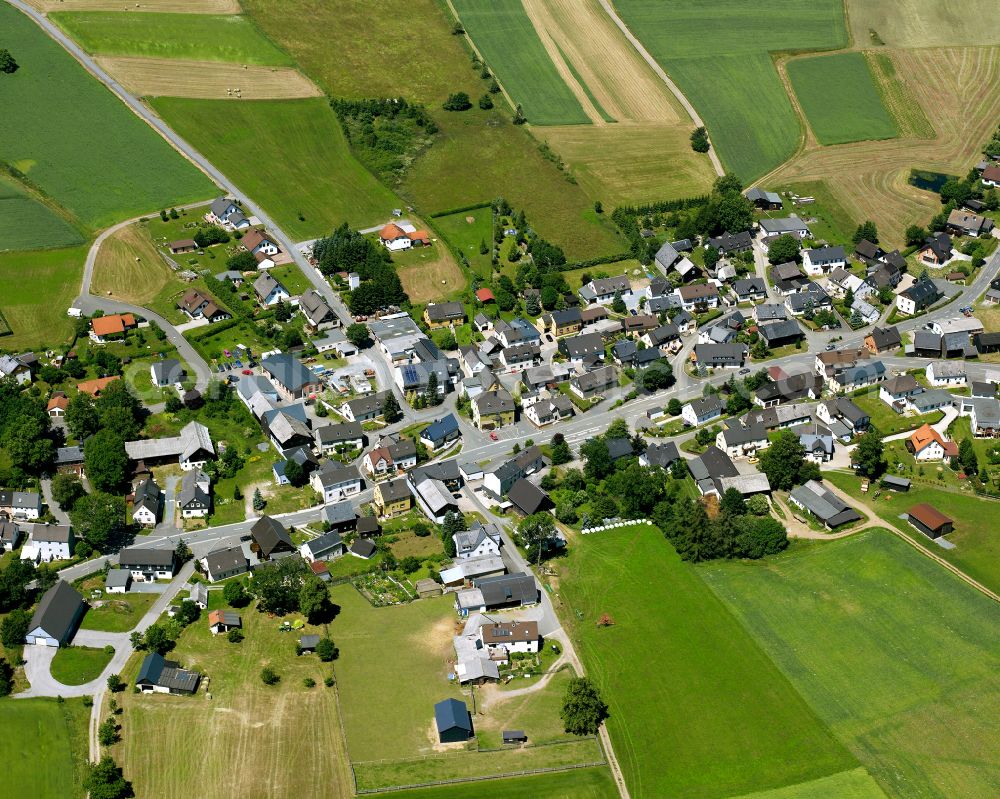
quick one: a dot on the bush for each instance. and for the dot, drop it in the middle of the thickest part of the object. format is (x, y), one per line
(328, 682)
(326, 650)
(269, 676)
(459, 101)
(309, 682)
(235, 635)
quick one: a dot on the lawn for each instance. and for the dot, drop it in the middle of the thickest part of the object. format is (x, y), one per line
(584, 783)
(430, 273)
(977, 545)
(466, 231)
(118, 614)
(198, 741)
(312, 182)
(291, 278)
(886, 420)
(390, 733)
(38, 288)
(76, 665)
(525, 69)
(44, 731)
(26, 223)
(196, 37)
(840, 98)
(733, 83)
(129, 268)
(697, 709)
(834, 223)
(897, 655)
(78, 143)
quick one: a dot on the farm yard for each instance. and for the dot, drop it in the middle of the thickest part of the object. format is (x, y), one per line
(839, 98)
(55, 112)
(157, 77)
(736, 724)
(532, 72)
(196, 37)
(310, 174)
(734, 84)
(893, 652)
(27, 223)
(197, 742)
(44, 731)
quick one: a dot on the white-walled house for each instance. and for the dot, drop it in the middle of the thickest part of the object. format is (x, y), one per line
(702, 410)
(823, 260)
(946, 373)
(480, 541)
(48, 542)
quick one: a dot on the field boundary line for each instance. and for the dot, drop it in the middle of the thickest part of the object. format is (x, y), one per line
(479, 55)
(675, 90)
(505, 775)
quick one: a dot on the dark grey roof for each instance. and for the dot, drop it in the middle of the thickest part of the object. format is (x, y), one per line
(332, 434)
(780, 330)
(147, 495)
(712, 463)
(823, 504)
(325, 544)
(394, 490)
(527, 497)
(750, 285)
(445, 311)
(58, 611)
(341, 512)
(155, 670)
(923, 292)
(926, 340)
(363, 547)
(583, 344)
(506, 589)
(270, 536)
(288, 371)
(450, 714)
(226, 560)
(662, 454)
(885, 337)
(146, 556)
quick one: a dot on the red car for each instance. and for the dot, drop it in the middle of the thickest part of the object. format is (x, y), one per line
(494, 436)
(248, 371)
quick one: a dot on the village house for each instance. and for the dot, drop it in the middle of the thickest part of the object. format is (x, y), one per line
(441, 433)
(493, 409)
(582, 347)
(290, 376)
(48, 542)
(13, 368)
(392, 498)
(222, 621)
(317, 312)
(328, 546)
(391, 455)
(148, 564)
(698, 297)
(269, 290)
(602, 290)
(106, 328)
(481, 541)
(158, 675)
(147, 503)
(921, 295)
(192, 449)
(749, 289)
(433, 497)
(334, 481)
(883, 339)
(444, 314)
(26, 505)
(964, 223)
(936, 249)
(742, 441)
(269, 539)
(500, 591)
(830, 362)
(792, 225)
(897, 390)
(927, 444)
(856, 377)
(946, 373)
(500, 639)
(202, 306)
(194, 500)
(224, 563)
(497, 483)
(702, 410)
(364, 409)
(778, 417)
(255, 242)
(339, 438)
(792, 388)
(590, 384)
(402, 237)
(563, 323)
(548, 411)
(843, 410)
(167, 372)
(720, 356)
(817, 441)
(56, 617)
(226, 212)
(787, 278)
(822, 260)
(731, 243)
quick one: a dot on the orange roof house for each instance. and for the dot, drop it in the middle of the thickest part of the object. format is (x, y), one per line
(391, 232)
(420, 237)
(58, 404)
(111, 325)
(485, 296)
(925, 441)
(95, 387)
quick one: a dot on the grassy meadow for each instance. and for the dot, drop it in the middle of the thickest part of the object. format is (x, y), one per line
(583, 783)
(289, 155)
(38, 288)
(28, 224)
(697, 710)
(923, 23)
(722, 62)
(196, 37)
(76, 665)
(840, 99)
(509, 43)
(466, 236)
(897, 655)
(129, 267)
(854, 784)
(44, 732)
(76, 142)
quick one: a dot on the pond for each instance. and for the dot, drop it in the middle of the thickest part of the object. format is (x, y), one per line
(929, 181)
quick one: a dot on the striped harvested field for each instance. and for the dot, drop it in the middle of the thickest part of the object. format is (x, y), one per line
(959, 90)
(162, 6)
(168, 77)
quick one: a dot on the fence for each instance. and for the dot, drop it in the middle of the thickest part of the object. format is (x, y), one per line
(614, 525)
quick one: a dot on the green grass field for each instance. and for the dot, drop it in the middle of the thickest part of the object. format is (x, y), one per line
(118, 614)
(466, 236)
(27, 224)
(76, 665)
(721, 62)
(310, 170)
(586, 783)
(840, 99)
(510, 45)
(697, 708)
(897, 655)
(76, 141)
(854, 784)
(196, 37)
(44, 731)
(38, 288)
(977, 545)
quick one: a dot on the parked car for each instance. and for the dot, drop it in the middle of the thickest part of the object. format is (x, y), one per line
(494, 436)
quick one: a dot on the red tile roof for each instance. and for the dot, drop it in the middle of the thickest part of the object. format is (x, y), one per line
(95, 387)
(391, 232)
(485, 295)
(109, 325)
(929, 516)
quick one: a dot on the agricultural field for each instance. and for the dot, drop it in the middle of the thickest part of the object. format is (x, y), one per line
(896, 654)
(38, 288)
(583, 783)
(26, 223)
(156, 6)
(959, 92)
(478, 154)
(734, 83)
(157, 77)
(429, 273)
(977, 547)
(532, 72)
(735, 725)
(55, 113)
(44, 731)
(198, 742)
(129, 268)
(854, 784)
(311, 184)
(839, 98)
(195, 37)
(390, 733)
(923, 23)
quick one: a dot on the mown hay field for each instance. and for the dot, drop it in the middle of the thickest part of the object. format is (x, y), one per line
(129, 267)
(158, 77)
(840, 99)
(697, 709)
(896, 654)
(583, 783)
(287, 735)
(196, 37)
(509, 43)
(76, 141)
(854, 784)
(722, 63)
(429, 273)
(924, 23)
(959, 91)
(38, 287)
(26, 223)
(156, 6)
(478, 154)
(44, 747)
(289, 155)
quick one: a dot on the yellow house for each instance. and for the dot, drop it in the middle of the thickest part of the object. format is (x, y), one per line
(392, 498)
(564, 323)
(444, 313)
(493, 409)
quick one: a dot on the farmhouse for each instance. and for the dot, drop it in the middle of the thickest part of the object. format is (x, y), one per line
(787, 278)
(822, 503)
(764, 200)
(769, 312)
(270, 540)
(730, 243)
(809, 297)
(481, 541)
(182, 246)
(750, 289)
(929, 520)
(444, 314)
(778, 334)
(193, 448)
(771, 228)
(48, 542)
(817, 442)
(502, 638)
(194, 500)
(739, 441)
(104, 328)
(824, 259)
(56, 618)
(158, 675)
(395, 237)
